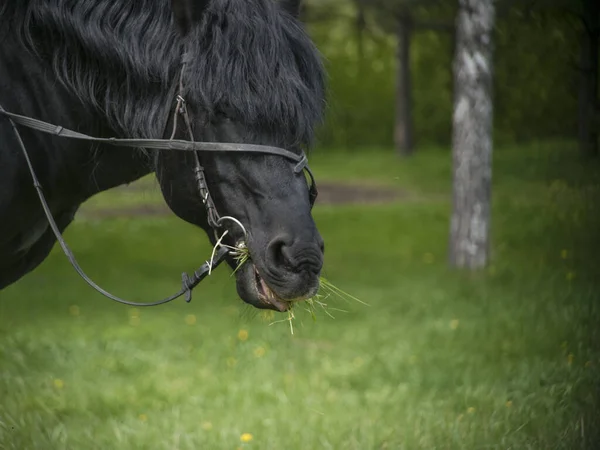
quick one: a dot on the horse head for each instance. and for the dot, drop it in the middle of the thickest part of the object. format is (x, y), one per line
(252, 76)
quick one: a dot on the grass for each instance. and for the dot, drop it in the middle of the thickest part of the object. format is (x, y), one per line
(441, 359)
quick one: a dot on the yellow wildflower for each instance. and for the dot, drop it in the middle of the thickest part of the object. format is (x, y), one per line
(509, 403)
(58, 383)
(190, 319)
(246, 437)
(454, 324)
(564, 254)
(470, 410)
(242, 335)
(143, 417)
(207, 426)
(259, 352)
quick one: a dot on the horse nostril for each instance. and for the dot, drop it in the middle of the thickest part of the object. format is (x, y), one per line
(278, 251)
(285, 252)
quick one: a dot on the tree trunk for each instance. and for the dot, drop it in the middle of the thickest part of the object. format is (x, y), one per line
(588, 82)
(403, 127)
(361, 24)
(472, 134)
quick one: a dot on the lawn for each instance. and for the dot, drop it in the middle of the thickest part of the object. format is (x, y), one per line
(508, 358)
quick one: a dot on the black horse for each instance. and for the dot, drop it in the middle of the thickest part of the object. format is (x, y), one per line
(109, 68)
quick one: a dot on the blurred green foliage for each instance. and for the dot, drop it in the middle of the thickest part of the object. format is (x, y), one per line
(535, 79)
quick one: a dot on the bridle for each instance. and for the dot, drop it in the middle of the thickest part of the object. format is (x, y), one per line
(215, 221)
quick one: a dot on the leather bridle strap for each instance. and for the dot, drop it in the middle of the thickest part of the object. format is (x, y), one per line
(159, 144)
(169, 144)
(188, 282)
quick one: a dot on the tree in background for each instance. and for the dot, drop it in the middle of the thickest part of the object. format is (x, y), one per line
(536, 71)
(588, 85)
(472, 134)
(586, 15)
(401, 18)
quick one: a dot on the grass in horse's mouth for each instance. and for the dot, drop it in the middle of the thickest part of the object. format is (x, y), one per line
(241, 254)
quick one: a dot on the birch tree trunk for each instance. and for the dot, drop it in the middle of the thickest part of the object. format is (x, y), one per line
(472, 134)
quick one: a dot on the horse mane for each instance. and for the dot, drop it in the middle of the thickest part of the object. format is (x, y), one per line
(249, 60)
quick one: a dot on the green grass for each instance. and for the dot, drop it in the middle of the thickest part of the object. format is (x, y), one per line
(507, 358)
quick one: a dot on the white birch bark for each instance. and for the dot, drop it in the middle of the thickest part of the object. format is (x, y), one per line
(472, 134)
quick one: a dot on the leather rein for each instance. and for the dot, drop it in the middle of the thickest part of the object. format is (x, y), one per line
(215, 221)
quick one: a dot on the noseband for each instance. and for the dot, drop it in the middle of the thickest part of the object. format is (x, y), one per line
(215, 221)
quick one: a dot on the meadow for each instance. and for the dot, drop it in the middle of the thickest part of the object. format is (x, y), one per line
(505, 358)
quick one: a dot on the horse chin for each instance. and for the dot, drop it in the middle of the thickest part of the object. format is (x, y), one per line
(253, 289)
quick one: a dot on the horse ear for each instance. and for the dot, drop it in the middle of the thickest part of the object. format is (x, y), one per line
(292, 7)
(187, 13)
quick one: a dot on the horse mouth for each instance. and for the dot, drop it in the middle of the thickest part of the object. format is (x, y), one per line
(266, 294)
(254, 290)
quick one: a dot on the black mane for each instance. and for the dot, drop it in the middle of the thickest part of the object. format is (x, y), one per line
(250, 60)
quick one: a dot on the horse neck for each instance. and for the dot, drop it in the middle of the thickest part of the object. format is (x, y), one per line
(66, 167)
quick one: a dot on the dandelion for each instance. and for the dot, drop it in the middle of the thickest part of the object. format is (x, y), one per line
(74, 310)
(207, 426)
(259, 352)
(246, 437)
(454, 324)
(242, 335)
(58, 383)
(470, 410)
(134, 321)
(190, 319)
(134, 312)
(143, 417)
(509, 403)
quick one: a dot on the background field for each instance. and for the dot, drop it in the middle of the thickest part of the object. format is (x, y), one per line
(503, 359)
